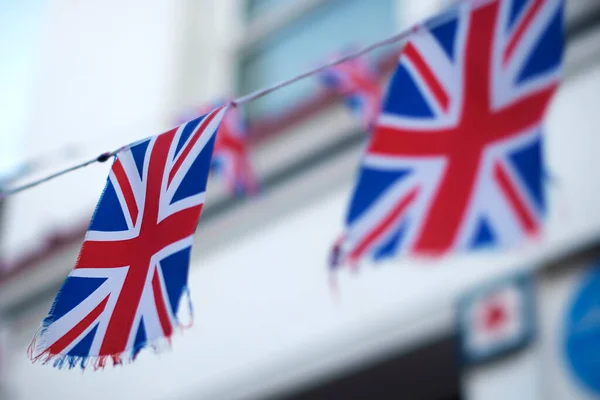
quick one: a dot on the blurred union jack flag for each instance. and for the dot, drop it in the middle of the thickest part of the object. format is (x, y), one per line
(357, 82)
(455, 159)
(126, 288)
(231, 160)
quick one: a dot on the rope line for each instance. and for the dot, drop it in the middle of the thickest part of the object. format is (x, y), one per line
(405, 34)
(101, 158)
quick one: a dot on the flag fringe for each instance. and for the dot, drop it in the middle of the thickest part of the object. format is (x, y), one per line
(62, 361)
(38, 351)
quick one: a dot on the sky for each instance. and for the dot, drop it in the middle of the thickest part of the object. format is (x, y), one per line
(20, 37)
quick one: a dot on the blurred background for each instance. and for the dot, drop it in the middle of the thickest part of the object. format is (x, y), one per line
(80, 78)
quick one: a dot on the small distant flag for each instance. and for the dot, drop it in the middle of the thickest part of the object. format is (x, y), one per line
(126, 290)
(496, 319)
(454, 162)
(231, 159)
(357, 82)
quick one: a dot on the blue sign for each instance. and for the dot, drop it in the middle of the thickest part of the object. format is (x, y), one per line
(582, 332)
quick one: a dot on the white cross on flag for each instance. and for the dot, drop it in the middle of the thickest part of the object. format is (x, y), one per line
(496, 319)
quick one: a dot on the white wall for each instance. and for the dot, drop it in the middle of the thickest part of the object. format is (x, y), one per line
(106, 78)
(21, 29)
(207, 65)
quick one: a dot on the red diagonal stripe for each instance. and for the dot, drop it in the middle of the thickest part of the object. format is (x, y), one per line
(430, 79)
(175, 227)
(163, 314)
(384, 225)
(362, 80)
(227, 141)
(523, 115)
(527, 220)
(521, 28)
(184, 153)
(78, 329)
(126, 189)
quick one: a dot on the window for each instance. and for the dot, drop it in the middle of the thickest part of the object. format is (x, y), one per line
(307, 42)
(258, 7)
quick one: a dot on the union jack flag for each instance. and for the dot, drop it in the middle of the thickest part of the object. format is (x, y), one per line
(455, 159)
(357, 82)
(232, 156)
(126, 289)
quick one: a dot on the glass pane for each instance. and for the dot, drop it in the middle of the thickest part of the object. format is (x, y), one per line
(258, 7)
(332, 27)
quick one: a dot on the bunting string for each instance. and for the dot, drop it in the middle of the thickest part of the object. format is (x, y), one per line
(101, 158)
(384, 42)
(403, 35)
